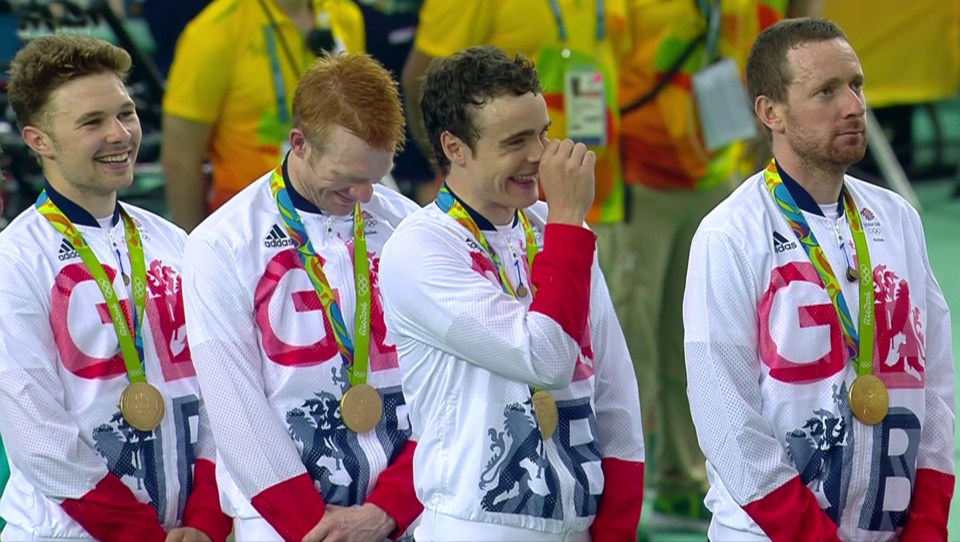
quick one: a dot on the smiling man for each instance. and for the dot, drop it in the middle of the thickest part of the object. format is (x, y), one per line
(518, 377)
(817, 339)
(293, 356)
(100, 409)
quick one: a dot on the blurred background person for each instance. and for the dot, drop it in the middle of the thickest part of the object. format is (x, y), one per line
(912, 53)
(166, 19)
(230, 89)
(679, 48)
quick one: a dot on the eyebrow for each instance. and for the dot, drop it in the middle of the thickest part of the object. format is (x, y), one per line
(90, 115)
(834, 81)
(522, 134)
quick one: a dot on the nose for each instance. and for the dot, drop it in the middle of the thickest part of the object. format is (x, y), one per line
(118, 131)
(362, 192)
(856, 103)
(535, 150)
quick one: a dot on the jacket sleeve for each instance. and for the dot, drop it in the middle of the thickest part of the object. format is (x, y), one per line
(42, 440)
(933, 487)
(618, 422)
(203, 511)
(394, 493)
(723, 371)
(252, 442)
(459, 308)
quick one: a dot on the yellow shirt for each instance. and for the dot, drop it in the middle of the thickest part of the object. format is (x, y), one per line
(528, 27)
(223, 74)
(662, 143)
(910, 51)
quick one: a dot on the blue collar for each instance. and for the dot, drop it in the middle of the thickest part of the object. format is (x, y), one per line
(300, 202)
(76, 214)
(478, 219)
(803, 198)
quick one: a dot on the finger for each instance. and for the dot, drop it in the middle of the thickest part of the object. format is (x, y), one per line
(589, 161)
(333, 535)
(175, 535)
(550, 149)
(566, 148)
(319, 532)
(577, 154)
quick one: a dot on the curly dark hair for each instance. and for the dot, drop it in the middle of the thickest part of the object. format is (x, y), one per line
(453, 86)
(46, 64)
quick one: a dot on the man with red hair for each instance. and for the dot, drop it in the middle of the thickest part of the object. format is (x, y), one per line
(291, 348)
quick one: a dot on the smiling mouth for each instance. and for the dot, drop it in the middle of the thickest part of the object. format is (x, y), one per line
(113, 158)
(524, 178)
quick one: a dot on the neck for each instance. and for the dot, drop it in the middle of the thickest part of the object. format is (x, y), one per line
(295, 174)
(496, 214)
(822, 181)
(99, 205)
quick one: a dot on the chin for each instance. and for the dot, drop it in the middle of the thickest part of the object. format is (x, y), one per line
(337, 207)
(118, 183)
(522, 198)
(848, 157)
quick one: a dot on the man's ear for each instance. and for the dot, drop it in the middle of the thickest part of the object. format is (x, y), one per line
(38, 141)
(454, 148)
(298, 143)
(770, 113)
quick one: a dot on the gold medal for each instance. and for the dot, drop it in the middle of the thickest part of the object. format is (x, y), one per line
(522, 291)
(142, 406)
(361, 408)
(545, 409)
(869, 400)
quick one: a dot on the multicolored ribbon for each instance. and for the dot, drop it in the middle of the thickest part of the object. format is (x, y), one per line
(356, 353)
(449, 204)
(860, 344)
(131, 346)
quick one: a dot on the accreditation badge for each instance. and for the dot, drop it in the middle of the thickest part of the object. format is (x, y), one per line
(585, 108)
(726, 114)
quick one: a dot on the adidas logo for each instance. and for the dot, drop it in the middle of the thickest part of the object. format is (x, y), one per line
(67, 252)
(781, 244)
(277, 238)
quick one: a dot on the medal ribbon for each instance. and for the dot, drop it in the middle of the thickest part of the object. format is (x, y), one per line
(356, 354)
(859, 345)
(131, 347)
(449, 204)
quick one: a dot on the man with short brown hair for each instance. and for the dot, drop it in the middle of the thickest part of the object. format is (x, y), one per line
(100, 409)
